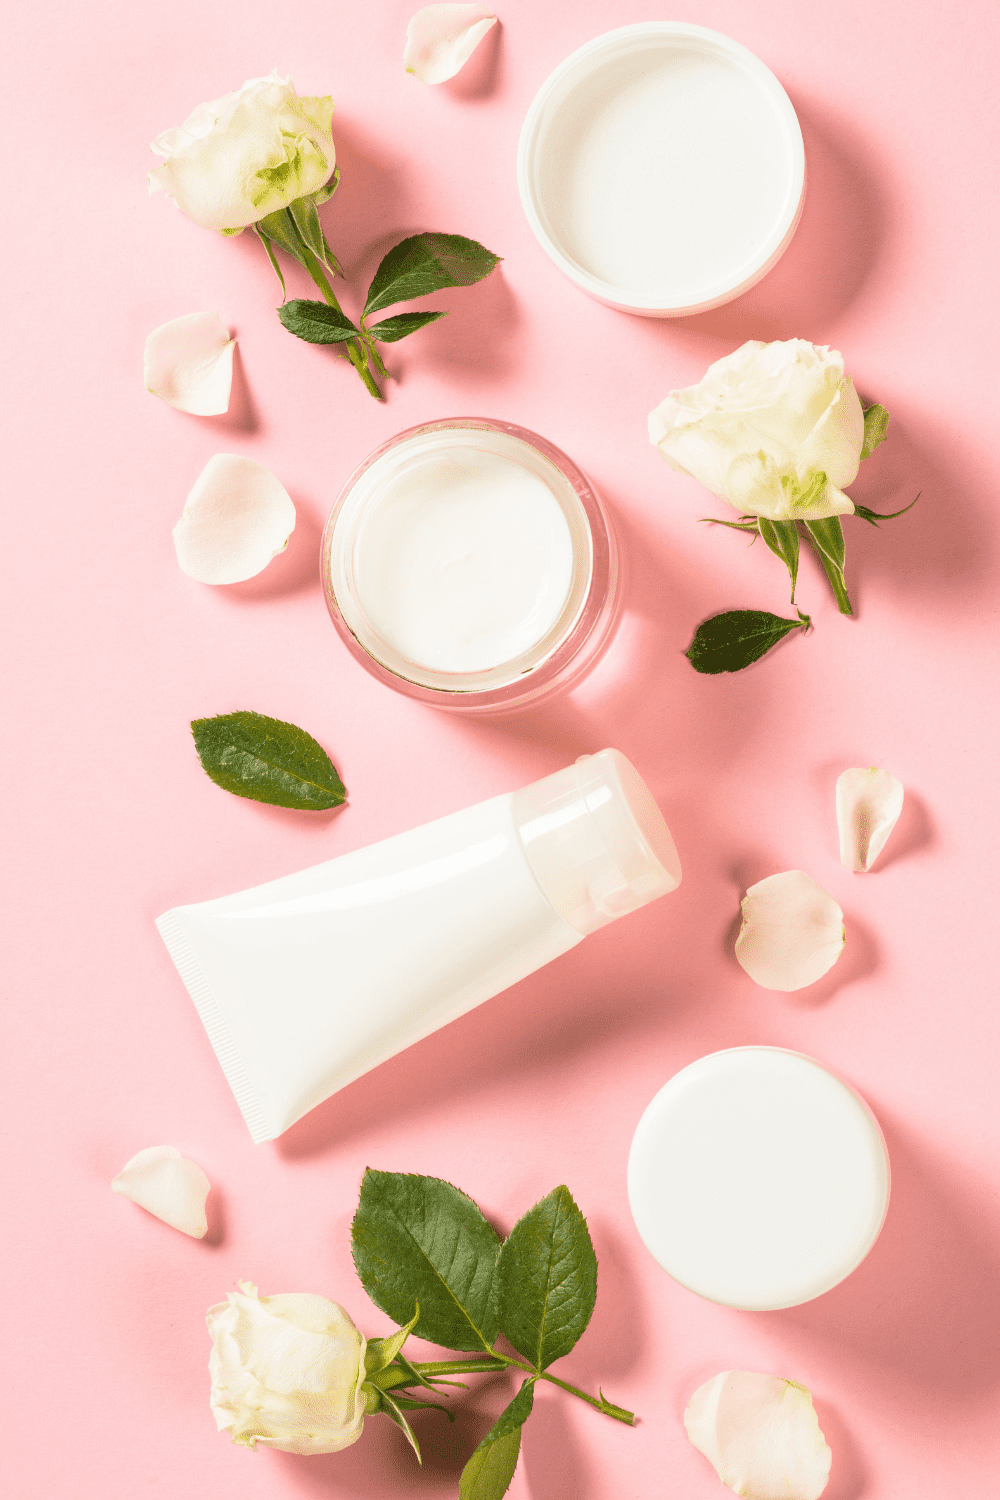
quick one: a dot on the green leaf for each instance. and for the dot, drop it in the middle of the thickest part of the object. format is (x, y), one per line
(427, 263)
(783, 539)
(827, 536)
(381, 1352)
(316, 322)
(394, 1412)
(548, 1279)
(391, 330)
(731, 641)
(490, 1470)
(268, 760)
(876, 429)
(419, 1238)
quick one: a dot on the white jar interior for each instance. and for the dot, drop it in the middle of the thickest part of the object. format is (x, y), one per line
(461, 558)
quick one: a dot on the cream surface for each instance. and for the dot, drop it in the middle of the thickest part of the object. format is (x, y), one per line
(464, 557)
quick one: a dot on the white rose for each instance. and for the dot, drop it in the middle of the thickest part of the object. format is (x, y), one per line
(775, 429)
(287, 1371)
(237, 159)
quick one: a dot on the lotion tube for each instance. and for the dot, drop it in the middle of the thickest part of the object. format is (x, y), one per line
(308, 982)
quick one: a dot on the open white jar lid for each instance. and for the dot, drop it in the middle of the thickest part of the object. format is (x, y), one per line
(758, 1179)
(661, 167)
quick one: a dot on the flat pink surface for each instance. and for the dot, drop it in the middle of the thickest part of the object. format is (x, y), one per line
(111, 650)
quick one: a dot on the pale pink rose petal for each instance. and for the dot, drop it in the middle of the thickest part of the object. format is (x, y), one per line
(761, 1436)
(440, 39)
(237, 517)
(189, 364)
(869, 802)
(166, 1184)
(792, 932)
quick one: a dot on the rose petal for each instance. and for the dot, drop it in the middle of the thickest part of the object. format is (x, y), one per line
(792, 932)
(189, 364)
(440, 39)
(166, 1184)
(237, 517)
(761, 1436)
(869, 802)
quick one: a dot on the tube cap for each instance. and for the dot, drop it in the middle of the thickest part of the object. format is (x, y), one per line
(596, 840)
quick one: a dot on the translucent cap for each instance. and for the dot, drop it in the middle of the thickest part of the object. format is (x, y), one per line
(596, 841)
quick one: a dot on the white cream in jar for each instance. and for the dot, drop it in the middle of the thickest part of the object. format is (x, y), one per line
(460, 560)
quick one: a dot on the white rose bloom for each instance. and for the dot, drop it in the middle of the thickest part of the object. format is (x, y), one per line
(774, 429)
(237, 159)
(287, 1371)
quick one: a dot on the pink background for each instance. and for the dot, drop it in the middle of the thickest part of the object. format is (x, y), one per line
(112, 650)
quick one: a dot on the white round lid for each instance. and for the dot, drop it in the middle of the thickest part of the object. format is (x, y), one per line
(661, 167)
(757, 1178)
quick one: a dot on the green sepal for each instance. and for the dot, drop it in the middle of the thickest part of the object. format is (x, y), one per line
(326, 192)
(280, 228)
(316, 322)
(382, 1352)
(427, 263)
(416, 1377)
(733, 525)
(391, 330)
(782, 537)
(874, 516)
(306, 221)
(827, 536)
(272, 258)
(876, 429)
(738, 637)
(489, 1471)
(410, 1403)
(394, 1412)
(267, 760)
(548, 1279)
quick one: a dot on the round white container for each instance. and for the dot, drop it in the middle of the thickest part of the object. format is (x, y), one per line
(661, 167)
(758, 1179)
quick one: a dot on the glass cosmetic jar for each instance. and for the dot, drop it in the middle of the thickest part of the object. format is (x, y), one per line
(469, 564)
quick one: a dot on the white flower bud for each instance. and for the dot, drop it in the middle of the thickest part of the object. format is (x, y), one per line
(287, 1371)
(237, 159)
(774, 429)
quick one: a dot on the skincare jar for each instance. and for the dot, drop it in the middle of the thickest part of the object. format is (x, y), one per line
(758, 1179)
(661, 168)
(469, 564)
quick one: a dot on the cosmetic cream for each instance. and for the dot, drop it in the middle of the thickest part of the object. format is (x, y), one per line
(758, 1179)
(307, 982)
(470, 564)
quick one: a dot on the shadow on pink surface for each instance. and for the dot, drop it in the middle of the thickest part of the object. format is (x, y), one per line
(841, 236)
(859, 959)
(848, 1473)
(939, 551)
(383, 1462)
(483, 75)
(291, 571)
(923, 1309)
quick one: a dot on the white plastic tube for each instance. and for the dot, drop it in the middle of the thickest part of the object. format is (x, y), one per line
(308, 982)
